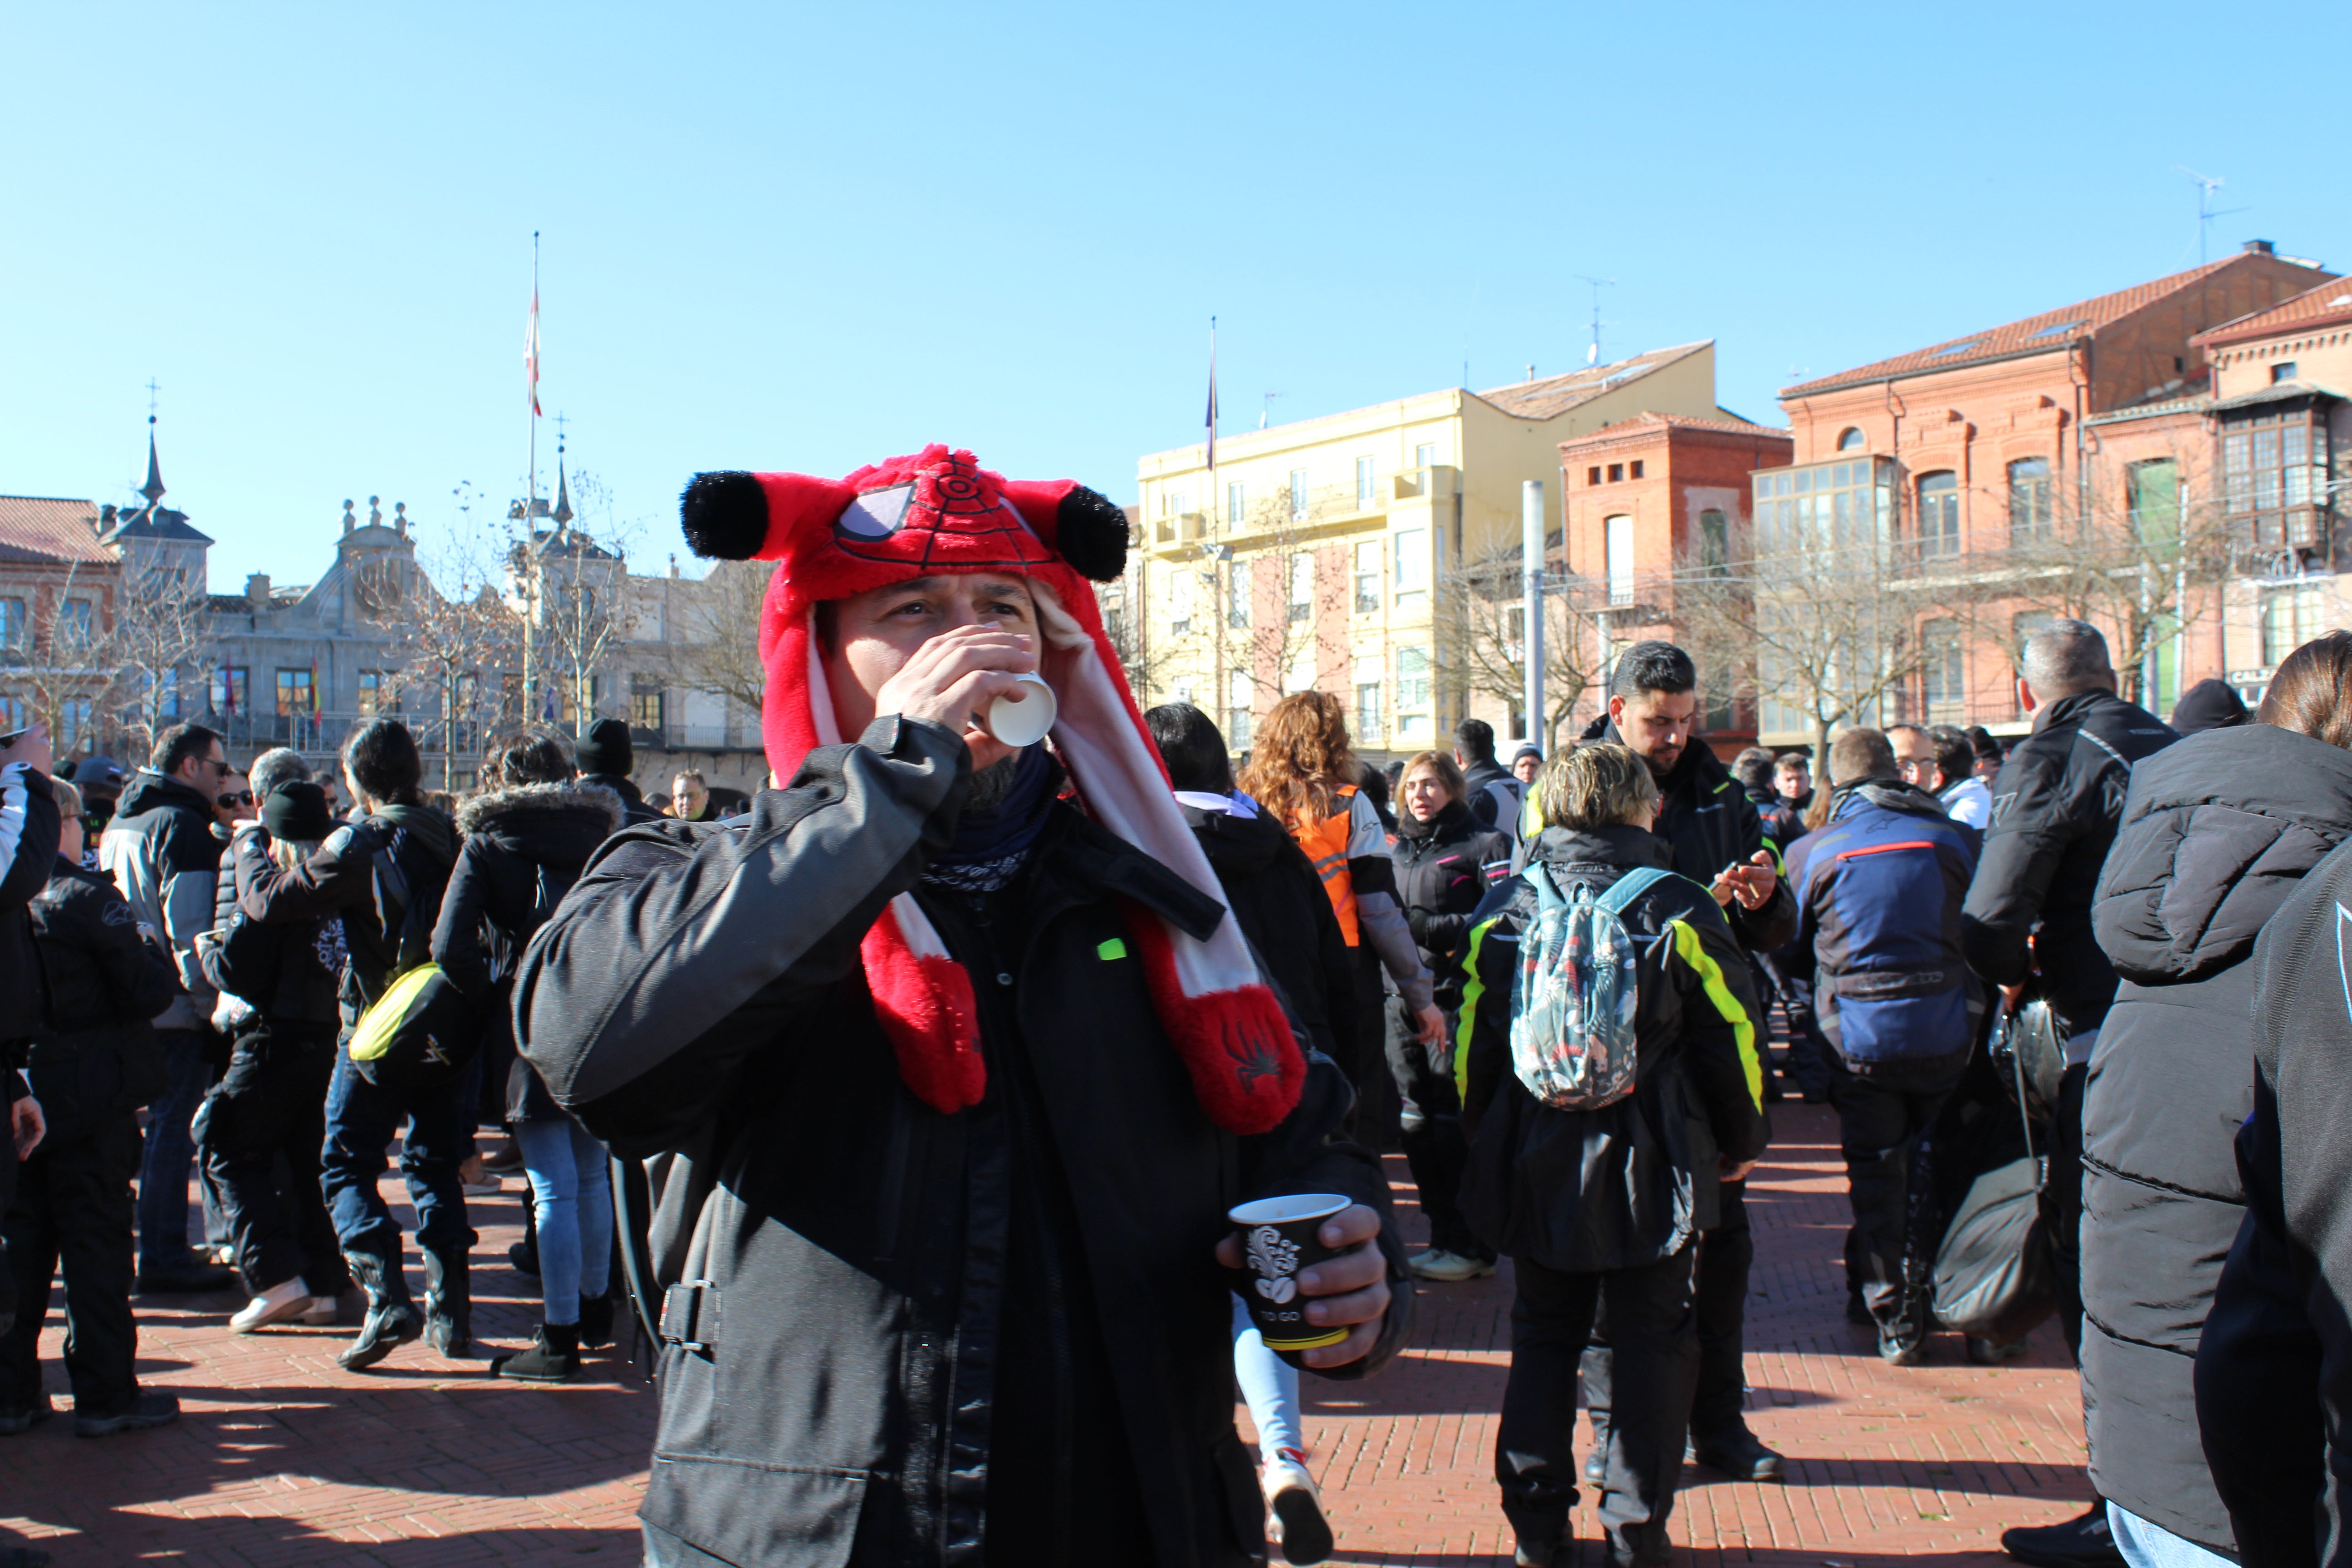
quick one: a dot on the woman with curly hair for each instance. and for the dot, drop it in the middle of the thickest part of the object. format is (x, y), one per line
(1303, 771)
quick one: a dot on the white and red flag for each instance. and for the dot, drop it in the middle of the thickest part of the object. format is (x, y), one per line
(531, 350)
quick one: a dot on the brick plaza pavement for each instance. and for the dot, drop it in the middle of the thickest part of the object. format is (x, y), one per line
(282, 1459)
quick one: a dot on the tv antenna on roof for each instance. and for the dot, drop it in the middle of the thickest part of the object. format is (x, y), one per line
(2206, 211)
(1593, 354)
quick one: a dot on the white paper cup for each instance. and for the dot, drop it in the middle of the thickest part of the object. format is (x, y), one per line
(1022, 719)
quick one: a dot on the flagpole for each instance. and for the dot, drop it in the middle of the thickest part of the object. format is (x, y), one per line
(530, 493)
(1209, 507)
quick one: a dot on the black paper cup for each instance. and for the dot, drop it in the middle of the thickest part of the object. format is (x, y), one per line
(1279, 1239)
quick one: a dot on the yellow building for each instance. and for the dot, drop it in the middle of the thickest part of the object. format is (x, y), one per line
(1313, 554)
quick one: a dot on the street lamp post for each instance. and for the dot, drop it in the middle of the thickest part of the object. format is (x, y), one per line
(1531, 566)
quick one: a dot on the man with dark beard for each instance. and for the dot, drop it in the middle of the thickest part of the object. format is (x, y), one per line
(945, 1085)
(1717, 840)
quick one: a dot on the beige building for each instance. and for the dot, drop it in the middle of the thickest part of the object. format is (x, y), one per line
(1314, 554)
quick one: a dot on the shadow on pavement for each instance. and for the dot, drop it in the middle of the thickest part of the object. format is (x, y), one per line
(233, 1538)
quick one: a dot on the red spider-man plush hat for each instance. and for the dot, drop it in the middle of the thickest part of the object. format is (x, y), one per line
(939, 511)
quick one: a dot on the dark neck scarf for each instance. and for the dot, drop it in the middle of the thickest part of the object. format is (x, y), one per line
(990, 845)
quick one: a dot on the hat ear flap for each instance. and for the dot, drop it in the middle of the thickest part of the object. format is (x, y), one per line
(736, 516)
(1084, 527)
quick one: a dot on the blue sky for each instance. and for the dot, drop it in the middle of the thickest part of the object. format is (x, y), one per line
(810, 237)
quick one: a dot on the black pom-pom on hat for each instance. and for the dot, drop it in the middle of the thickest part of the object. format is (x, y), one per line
(724, 515)
(1090, 534)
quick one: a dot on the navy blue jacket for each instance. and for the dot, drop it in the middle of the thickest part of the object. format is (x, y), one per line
(1879, 890)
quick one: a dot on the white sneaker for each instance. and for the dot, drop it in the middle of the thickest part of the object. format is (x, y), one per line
(322, 1311)
(275, 1305)
(1295, 1519)
(1448, 1268)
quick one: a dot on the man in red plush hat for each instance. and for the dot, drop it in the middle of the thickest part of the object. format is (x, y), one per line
(945, 1082)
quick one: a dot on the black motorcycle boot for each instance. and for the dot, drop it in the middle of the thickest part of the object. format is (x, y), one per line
(596, 1321)
(390, 1320)
(448, 1302)
(553, 1356)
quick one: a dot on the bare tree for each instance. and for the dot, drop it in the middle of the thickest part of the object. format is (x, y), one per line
(2139, 559)
(1258, 600)
(714, 642)
(1832, 629)
(161, 627)
(68, 670)
(571, 589)
(1481, 634)
(456, 646)
(1123, 606)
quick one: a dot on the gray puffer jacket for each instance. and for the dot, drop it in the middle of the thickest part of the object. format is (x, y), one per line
(2218, 832)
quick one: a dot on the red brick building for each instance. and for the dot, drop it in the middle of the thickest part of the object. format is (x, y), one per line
(2000, 451)
(1645, 497)
(57, 592)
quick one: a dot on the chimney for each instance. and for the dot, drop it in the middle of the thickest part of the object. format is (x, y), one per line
(2259, 248)
(256, 590)
(106, 516)
(673, 563)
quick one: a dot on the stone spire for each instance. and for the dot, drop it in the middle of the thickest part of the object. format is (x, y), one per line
(153, 488)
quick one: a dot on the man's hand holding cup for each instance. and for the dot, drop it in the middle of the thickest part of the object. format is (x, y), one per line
(1317, 1282)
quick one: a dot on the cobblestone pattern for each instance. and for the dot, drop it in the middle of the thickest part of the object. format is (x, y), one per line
(281, 1457)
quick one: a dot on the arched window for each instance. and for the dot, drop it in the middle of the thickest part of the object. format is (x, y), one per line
(1714, 543)
(1939, 515)
(2030, 512)
(1850, 439)
(1619, 544)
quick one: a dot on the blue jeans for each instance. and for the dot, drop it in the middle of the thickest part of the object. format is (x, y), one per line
(2144, 1545)
(1269, 1387)
(171, 1152)
(360, 1121)
(572, 1195)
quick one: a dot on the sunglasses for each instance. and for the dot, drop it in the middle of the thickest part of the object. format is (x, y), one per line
(234, 799)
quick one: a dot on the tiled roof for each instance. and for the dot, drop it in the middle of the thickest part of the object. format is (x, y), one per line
(2049, 330)
(156, 522)
(51, 530)
(1559, 394)
(1729, 424)
(2328, 305)
(2277, 392)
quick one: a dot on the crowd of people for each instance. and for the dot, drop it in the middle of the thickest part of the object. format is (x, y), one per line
(189, 954)
(934, 1069)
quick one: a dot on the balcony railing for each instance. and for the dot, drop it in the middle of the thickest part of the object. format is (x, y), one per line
(1274, 510)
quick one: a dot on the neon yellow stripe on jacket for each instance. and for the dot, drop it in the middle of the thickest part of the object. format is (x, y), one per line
(1471, 993)
(1691, 950)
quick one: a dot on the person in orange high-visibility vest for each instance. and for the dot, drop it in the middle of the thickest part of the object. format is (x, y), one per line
(1302, 769)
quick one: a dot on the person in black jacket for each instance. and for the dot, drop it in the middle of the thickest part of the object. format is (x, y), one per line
(1445, 863)
(605, 758)
(1878, 895)
(2273, 1374)
(1790, 985)
(263, 1124)
(1716, 839)
(2218, 833)
(946, 1085)
(1280, 905)
(28, 847)
(355, 875)
(93, 1061)
(1603, 1208)
(2055, 808)
(1491, 793)
(527, 837)
(163, 857)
